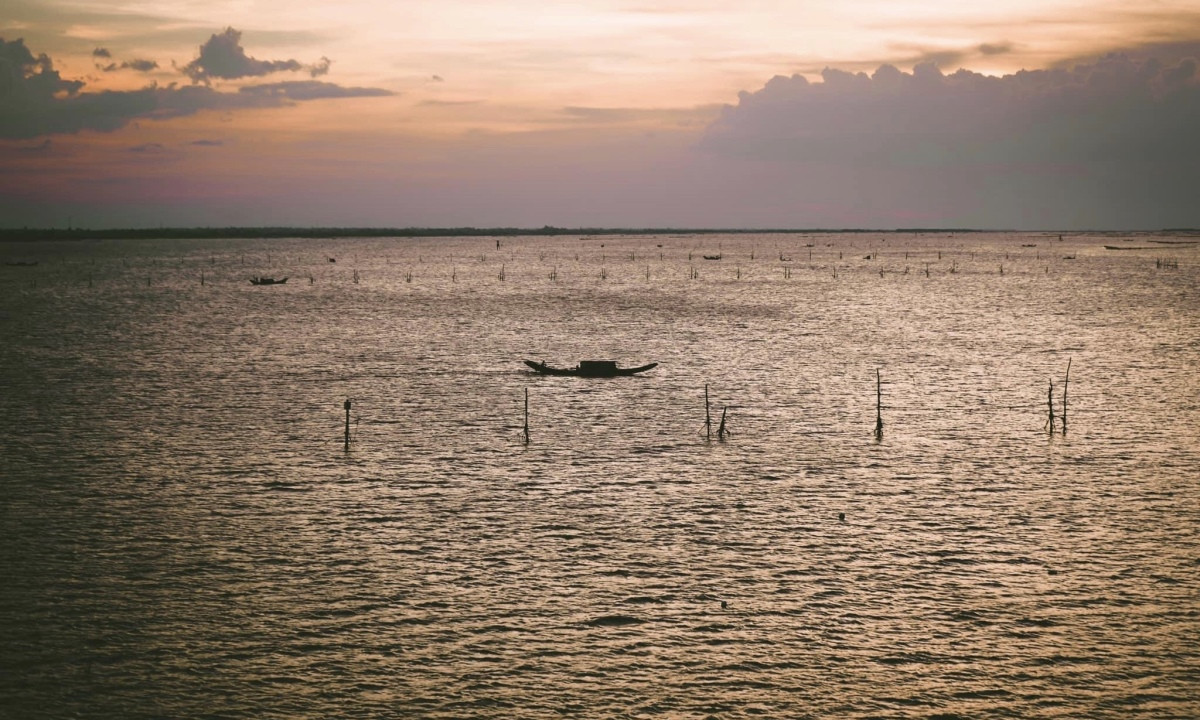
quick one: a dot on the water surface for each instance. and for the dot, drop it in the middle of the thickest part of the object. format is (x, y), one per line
(184, 535)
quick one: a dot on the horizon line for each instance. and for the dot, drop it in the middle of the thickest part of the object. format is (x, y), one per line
(285, 231)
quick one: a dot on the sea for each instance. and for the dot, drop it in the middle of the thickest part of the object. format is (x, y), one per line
(840, 493)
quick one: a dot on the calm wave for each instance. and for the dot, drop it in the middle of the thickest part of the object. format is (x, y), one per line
(184, 535)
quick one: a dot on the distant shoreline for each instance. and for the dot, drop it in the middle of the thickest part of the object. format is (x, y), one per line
(195, 233)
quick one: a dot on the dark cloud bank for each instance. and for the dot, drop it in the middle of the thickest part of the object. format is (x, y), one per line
(1115, 108)
(36, 100)
(1113, 140)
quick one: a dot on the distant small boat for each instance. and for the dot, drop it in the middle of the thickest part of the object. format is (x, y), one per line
(266, 281)
(712, 257)
(21, 263)
(589, 368)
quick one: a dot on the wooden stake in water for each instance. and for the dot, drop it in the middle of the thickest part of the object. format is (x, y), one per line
(878, 406)
(347, 406)
(1050, 407)
(707, 417)
(526, 433)
(1066, 380)
(721, 431)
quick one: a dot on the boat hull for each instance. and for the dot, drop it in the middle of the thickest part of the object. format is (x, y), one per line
(589, 368)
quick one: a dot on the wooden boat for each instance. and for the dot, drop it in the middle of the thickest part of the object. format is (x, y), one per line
(589, 368)
(266, 281)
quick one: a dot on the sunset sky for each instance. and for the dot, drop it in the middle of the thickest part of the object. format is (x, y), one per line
(1027, 114)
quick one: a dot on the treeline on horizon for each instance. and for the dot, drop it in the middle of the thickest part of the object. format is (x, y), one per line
(27, 234)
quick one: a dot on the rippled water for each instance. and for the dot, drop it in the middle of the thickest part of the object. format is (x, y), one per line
(184, 536)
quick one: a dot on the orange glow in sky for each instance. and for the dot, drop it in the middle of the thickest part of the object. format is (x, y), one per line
(364, 88)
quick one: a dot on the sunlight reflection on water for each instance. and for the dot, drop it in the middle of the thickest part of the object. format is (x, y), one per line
(185, 537)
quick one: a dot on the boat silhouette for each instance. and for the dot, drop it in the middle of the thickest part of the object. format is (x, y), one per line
(589, 368)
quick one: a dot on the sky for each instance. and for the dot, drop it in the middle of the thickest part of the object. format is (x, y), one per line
(1014, 114)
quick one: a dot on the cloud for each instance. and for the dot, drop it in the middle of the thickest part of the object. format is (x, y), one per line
(42, 148)
(1114, 107)
(908, 55)
(138, 65)
(101, 52)
(941, 58)
(36, 101)
(319, 68)
(207, 143)
(309, 90)
(49, 115)
(1162, 51)
(1003, 48)
(25, 78)
(152, 147)
(223, 57)
(1115, 136)
(652, 117)
(449, 103)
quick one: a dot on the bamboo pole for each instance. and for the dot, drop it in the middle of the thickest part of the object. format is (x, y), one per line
(707, 417)
(878, 405)
(526, 432)
(1050, 407)
(347, 406)
(1066, 380)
